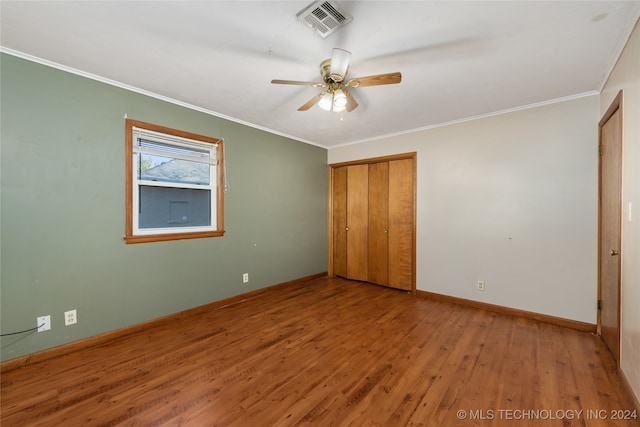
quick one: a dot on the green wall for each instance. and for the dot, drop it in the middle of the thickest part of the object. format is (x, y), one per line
(63, 213)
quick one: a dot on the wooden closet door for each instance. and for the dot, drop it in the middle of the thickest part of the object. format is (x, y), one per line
(401, 224)
(379, 223)
(357, 221)
(339, 212)
(373, 221)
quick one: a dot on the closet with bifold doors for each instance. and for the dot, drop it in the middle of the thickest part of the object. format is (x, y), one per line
(372, 220)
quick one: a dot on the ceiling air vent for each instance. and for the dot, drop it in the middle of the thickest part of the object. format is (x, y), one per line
(324, 17)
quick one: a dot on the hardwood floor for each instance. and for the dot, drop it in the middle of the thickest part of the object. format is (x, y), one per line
(328, 352)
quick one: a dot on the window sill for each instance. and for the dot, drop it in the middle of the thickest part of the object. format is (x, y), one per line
(129, 239)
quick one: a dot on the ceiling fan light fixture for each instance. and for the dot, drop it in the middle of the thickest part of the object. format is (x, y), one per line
(339, 100)
(326, 101)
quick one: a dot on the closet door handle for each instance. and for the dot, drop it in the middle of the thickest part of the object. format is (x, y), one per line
(386, 231)
(613, 252)
(347, 229)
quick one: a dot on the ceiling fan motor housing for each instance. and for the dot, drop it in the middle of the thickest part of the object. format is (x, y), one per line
(325, 70)
(327, 77)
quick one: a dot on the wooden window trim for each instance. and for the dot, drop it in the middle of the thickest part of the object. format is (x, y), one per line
(129, 236)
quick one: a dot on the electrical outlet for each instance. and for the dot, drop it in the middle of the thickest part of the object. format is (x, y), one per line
(70, 317)
(480, 285)
(43, 323)
(245, 278)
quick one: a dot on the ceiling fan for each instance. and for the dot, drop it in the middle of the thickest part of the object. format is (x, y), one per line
(336, 96)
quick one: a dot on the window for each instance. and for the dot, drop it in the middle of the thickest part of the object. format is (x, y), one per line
(174, 184)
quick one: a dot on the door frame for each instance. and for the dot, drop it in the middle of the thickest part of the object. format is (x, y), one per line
(616, 105)
(411, 155)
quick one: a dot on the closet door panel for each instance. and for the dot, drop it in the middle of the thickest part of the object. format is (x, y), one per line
(339, 199)
(401, 228)
(379, 223)
(357, 221)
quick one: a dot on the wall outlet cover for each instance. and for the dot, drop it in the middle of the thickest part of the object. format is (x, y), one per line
(43, 323)
(70, 317)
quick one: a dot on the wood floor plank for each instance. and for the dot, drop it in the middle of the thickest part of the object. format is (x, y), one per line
(328, 352)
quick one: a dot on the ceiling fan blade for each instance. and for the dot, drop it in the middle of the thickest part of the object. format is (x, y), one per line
(339, 64)
(310, 103)
(379, 79)
(351, 101)
(296, 82)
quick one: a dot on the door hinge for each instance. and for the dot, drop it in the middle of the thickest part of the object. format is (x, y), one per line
(599, 304)
(600, 150)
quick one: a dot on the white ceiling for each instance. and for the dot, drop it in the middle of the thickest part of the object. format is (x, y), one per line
(458, 59)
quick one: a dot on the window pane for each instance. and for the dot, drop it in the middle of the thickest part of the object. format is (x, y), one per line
(162, 207)
(167, 169)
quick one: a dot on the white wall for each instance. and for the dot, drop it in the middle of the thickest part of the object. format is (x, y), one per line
(509, 199)
(626, 77)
